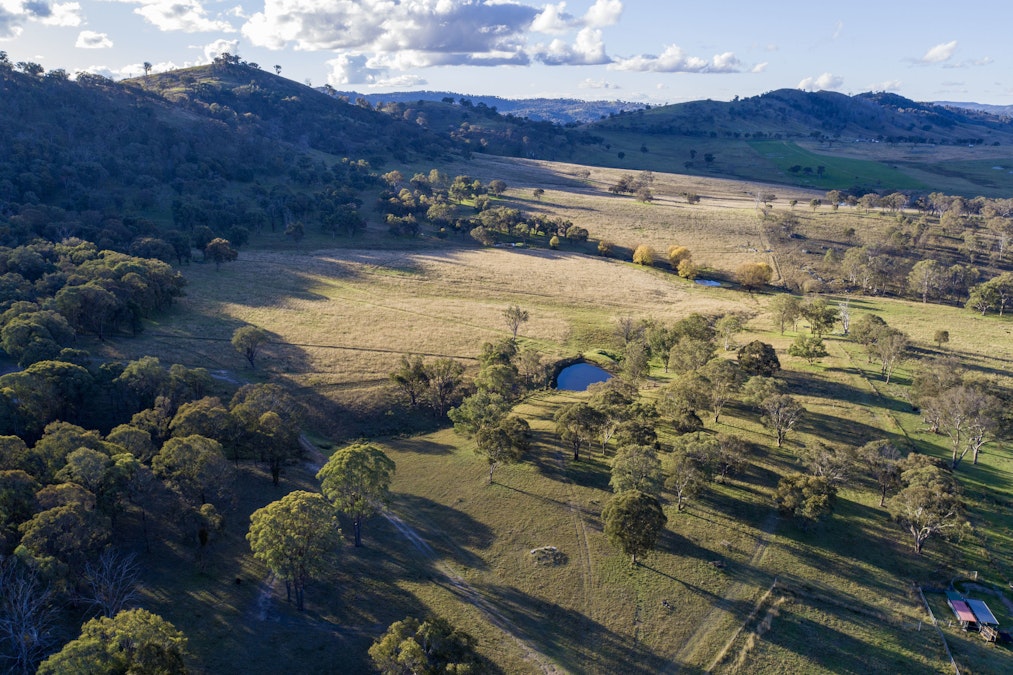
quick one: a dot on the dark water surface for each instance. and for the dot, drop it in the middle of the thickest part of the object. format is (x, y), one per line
(580, 376)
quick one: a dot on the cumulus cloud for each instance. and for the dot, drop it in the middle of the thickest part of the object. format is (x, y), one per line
(67, 14)
(973, 63)
(598, 84)
(604, 13)
(437, 26)
(675, 60)
(939, 53)
(553, 20)
(352, 69)
(824, 82)
(213, 50)
(188, 16)
(14, 14)
(888, 85)
(759, 67)
(88, 39)
(588, 49)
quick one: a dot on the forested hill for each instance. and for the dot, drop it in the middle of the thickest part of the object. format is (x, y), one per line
(556, 110)
(112, 161)
(789, 113)
(249, 99)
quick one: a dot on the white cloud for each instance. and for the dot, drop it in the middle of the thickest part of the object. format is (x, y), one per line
(188, 16)
(598, 84)
(824, 82)
(213, 50)
(759, 67)
(462, 27)
(10, 24)
(587, 49)
(675, 60)
(67, 14)
(401, 81)
(888, 85)
(838, 29)
(984, 61)
(88, 39)
(604, 13)
(15, 13)
(553, 20)
(351, 69)
(939, 53)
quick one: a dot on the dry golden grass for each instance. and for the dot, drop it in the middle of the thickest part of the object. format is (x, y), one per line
(339, 320)
(723, 230)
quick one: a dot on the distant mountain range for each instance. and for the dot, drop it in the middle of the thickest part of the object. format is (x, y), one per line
(1000, 110)
(568, 111)
(557, 110)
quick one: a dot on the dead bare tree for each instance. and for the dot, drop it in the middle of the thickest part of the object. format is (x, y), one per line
(112, 581)
(27, 619)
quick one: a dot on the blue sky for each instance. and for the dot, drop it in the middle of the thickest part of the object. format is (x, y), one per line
(657, 51)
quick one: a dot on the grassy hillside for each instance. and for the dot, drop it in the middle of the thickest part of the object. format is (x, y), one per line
(732, 586)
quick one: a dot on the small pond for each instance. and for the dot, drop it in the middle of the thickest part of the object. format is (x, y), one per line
(707, 282)
(580, 376)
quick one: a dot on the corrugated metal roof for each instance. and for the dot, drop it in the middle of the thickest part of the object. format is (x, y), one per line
(981, 612)
(962, 611)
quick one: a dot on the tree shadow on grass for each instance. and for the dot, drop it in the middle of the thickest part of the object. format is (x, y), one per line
(588, 471)
(828, 649)
(444, 528)
(834, 429)
(572, 639)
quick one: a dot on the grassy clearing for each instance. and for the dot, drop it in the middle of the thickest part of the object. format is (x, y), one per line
(838, 171)
(952, 169)
(341, 317)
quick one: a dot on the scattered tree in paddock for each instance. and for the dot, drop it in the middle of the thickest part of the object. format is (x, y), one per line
(808, 347)
(685, 479)
(515, 316)
(890, 345)
(356, 479)
(219, 251)
(754, 275)
(785, 309)
(881, 460)
(644, 255)
(427, 648)
(296, 537)
(248, 341)
(195, 468)
(806, 498)
(133, 641)
(929, 504)
(726, 328)
(758, 358)
(836, 463)
(576, 424)
(690, 353)
(633, 521)
(637, 467)
(781, 413)
(820, 315)
(504, 443)
(723, 379)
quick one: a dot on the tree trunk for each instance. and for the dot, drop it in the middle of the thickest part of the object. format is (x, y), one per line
(357, 526)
